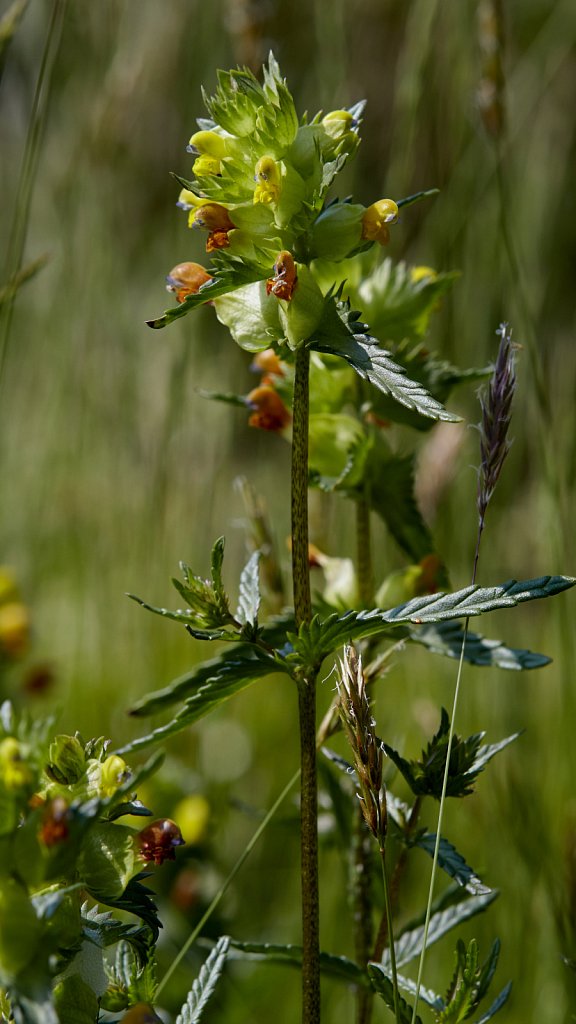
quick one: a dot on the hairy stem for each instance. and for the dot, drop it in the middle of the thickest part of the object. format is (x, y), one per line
(306, 698)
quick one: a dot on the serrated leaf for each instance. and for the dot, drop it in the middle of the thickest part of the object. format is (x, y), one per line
(497, 1005)
(341, 334)
(188, 619)
(229, 677)
(446, 638)
(451, 862)
(249, 596)
(291, 955)
(407, 985)
(383, 986)
(234, 665)
(228, 274)
(321, 637)
(137, 900)
(409, 942)
(204, 985)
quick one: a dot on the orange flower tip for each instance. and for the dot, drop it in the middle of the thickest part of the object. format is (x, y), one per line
(213, 218)
(315, 557)
(285, 278)
(269, 411)
(186, 279)
(267, 362)
(159, 840)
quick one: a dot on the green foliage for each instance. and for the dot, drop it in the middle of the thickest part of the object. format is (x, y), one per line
(469, 983)
(446, 638)
(467, 759)
(384, 987)
(341, 333)
(205, 983)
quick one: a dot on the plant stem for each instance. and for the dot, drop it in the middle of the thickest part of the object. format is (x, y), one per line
(388, 906)
(227, 882)
(306, 697)
(362, 911)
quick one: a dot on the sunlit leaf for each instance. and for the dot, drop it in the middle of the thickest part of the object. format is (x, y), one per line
(446, 638)
(409, 942)
(451, 862)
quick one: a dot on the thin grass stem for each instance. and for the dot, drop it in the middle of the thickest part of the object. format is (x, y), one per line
(228, 881)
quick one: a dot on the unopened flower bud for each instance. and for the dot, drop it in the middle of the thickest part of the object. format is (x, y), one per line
(158, 841)
(376, 220)
(186, 279)
(216, 220)
(269, 411)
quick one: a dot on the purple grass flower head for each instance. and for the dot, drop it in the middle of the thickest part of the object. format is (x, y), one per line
(496, 405)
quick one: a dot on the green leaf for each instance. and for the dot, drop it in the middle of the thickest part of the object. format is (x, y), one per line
(235, 665)
(409, 942)
(227, 677)
(290, 955)
(451, 862)
(323, 636)
(228, 274)
(338, 447)
(340, 333)
(204, 985)
(383, 986)
(397, 302)
(407, 985)
(417, 196)
(216, 561)
(137, 900)
(75, 1001)
(107, 860)
(446, 638)
(497, 1005)
(249, 596)
(467, 759)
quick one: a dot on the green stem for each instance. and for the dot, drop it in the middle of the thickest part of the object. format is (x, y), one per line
(225, 885)
(388, 906)
(306, 698)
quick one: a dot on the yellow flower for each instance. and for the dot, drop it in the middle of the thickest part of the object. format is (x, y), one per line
(14, 772)
(376, 220)
(267, 178)
(113, 772)
(211, 149)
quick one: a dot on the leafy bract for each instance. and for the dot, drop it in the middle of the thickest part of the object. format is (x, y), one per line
(397, 300)
(341, 333)
(249, 596)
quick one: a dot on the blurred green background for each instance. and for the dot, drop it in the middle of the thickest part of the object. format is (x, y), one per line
(113, 468)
